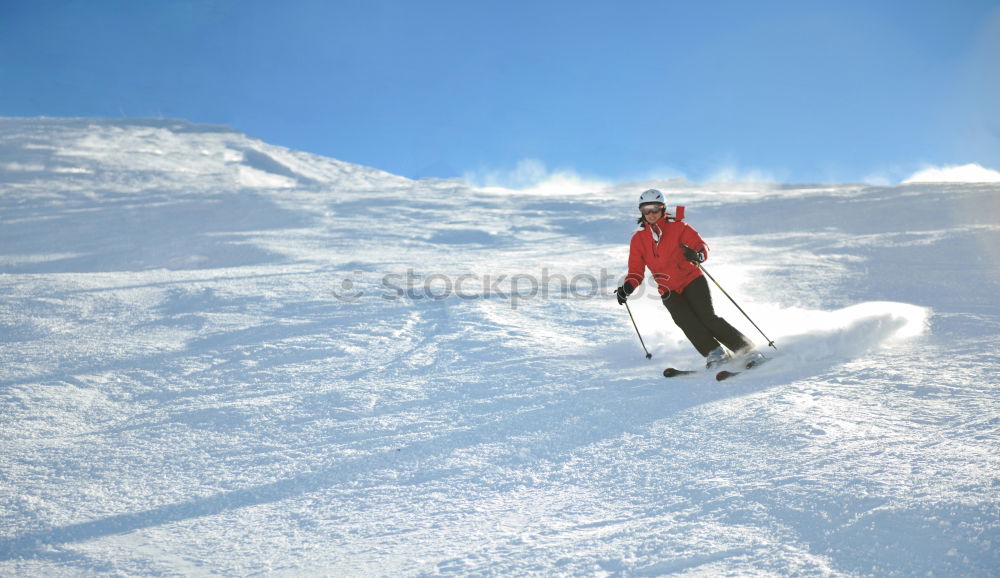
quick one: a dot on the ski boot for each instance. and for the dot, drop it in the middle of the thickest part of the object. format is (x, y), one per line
(717, 357)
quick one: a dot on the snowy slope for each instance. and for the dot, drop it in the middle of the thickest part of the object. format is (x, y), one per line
(224, 357)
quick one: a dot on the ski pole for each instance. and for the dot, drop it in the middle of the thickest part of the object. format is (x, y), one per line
(648, 354)
(770, 342)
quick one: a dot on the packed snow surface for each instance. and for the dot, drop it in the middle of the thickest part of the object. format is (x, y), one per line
(220, 356)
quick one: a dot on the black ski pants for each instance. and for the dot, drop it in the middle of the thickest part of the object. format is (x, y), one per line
(692, 311)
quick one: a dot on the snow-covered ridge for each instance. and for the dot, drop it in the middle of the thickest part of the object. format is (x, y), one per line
(205, 156)
(968, 173)
(223, 356)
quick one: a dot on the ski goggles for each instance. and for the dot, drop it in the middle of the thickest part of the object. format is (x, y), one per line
(649, 210)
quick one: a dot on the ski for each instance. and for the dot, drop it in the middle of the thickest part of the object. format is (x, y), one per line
(674, 372)
(724, 374)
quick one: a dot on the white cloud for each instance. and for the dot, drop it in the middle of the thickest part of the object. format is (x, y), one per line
(532, 176)
(528, 172)
(970, 173)
(735, 174)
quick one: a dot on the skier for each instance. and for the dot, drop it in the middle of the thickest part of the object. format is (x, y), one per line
(672, 250)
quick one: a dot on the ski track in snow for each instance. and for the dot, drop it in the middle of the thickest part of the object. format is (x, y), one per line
(225, 357)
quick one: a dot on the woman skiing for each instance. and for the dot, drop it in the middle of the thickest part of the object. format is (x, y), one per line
(672, 250)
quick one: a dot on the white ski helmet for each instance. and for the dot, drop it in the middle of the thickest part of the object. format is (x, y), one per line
(651, 196)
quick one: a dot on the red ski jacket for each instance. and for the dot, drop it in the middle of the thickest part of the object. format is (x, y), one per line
(658, 248)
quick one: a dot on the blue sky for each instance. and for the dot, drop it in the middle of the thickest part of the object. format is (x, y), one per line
(797, 90)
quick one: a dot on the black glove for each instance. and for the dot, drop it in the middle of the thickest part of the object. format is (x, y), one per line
(692, 255)
(623, 292)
